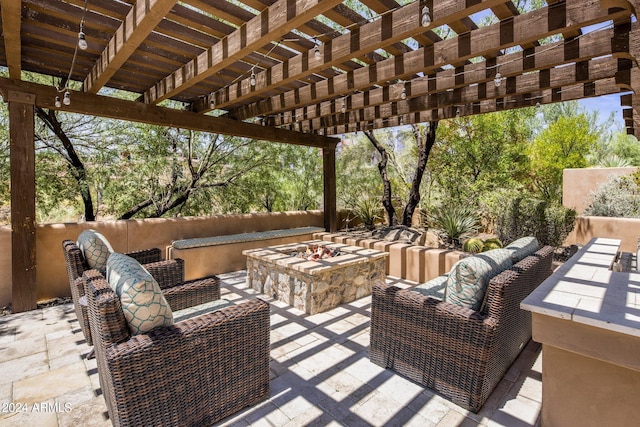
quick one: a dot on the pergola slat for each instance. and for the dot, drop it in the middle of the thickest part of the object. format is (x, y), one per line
(11, 23)
(538, 24)
(270, 25)
(140, 21)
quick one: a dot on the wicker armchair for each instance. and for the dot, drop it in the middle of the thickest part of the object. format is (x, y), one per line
(169, 274)
(195, 372)
(458, 352)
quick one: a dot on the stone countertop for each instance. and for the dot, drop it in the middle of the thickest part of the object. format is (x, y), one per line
(584, 290)
(350, 255)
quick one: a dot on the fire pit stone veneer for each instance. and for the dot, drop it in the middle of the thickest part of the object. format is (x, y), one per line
(315, 286)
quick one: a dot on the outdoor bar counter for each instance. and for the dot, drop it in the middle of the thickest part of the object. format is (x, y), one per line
(587, 318)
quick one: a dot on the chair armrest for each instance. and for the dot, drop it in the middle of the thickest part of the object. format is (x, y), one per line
(192, 293)
(167, 273)
(145, 256)
(219, 363)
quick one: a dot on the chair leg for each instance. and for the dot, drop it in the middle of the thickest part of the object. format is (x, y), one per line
(91, 355)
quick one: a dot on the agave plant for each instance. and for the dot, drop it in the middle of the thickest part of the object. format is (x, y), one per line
(454, 221)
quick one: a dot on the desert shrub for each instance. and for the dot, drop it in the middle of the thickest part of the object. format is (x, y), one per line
(618, 197)
(520, 215)
(455, 221)
(367, 209)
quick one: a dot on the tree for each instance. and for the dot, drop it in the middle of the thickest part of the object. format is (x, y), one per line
(474, 155)
(387, 202)
(565, 143)
(424, 143)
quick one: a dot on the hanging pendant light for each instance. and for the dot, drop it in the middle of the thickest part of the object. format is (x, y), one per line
(316, 49)
(425, 19)
(252, 80)
(82, 41)
(66, 99)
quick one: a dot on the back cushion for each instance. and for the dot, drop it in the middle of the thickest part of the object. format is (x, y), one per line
(143, 304)
(522, 248)
(95, 248)
(469, 277)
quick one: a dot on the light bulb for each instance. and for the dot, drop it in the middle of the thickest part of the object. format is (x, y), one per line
(253, 79)
(82, 41)
(344, 107)
(403, 95)
(401, 121)
(320, 132)
(58, 103)
(316, 50)
(458, 112)
(538, 106)
(66, 99)
(426, 18)
(498, 79)
(212, 102)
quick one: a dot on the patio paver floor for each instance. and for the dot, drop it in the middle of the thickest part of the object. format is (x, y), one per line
(320, 375)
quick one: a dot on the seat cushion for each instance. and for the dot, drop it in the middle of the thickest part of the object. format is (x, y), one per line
(95, 248)
(143, 304)
(522, 248)
(469, 277)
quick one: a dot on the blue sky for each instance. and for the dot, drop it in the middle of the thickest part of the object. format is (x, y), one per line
(605, 105)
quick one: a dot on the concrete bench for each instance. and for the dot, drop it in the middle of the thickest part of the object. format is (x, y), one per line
(204, 256)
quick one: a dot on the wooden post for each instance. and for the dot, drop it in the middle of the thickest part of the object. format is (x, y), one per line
(23, 201)
(329, 167)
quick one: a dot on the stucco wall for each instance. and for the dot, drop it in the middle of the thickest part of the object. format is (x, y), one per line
(577, 184)
(126, 236)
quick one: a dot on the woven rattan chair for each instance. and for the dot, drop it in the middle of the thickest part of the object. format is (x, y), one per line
(195, 372)
(458, 352)
(169, 274)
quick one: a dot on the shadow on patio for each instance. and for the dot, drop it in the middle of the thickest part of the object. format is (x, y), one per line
(320, 375)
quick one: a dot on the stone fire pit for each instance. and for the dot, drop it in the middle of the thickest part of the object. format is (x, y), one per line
(315, 286)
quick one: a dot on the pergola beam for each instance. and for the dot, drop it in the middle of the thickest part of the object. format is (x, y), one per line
(522, 29)
(546, 96)
(11, 23)
(465, 97)
(142, 19)
(592, 45)
(268, 26)
(104, 106)
(398, 25)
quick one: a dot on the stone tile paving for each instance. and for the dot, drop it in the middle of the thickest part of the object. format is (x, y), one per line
(320, 375)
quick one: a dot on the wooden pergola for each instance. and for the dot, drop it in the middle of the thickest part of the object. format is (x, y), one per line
(298, 71)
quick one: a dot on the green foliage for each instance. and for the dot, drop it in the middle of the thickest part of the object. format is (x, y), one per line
(564, 143)
(367, 209)
(618, 151)
(475, 155)
(519, 215)
(454, 221)
(473, 245)
(618, 197)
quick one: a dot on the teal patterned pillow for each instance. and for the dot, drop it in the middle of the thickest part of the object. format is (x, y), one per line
(143, 304)
(522, 248)
(95, 249)
(469, 277)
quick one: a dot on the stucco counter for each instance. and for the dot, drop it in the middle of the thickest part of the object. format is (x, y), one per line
(587, 318)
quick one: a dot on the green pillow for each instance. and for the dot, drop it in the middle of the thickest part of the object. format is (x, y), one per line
(469, 277)
(522, 248)
(95, 248)
(143, 304)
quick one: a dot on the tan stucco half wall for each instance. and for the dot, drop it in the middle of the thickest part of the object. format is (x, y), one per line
(591, 376)
(130, 235)
(578, 184)
(588, 227)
